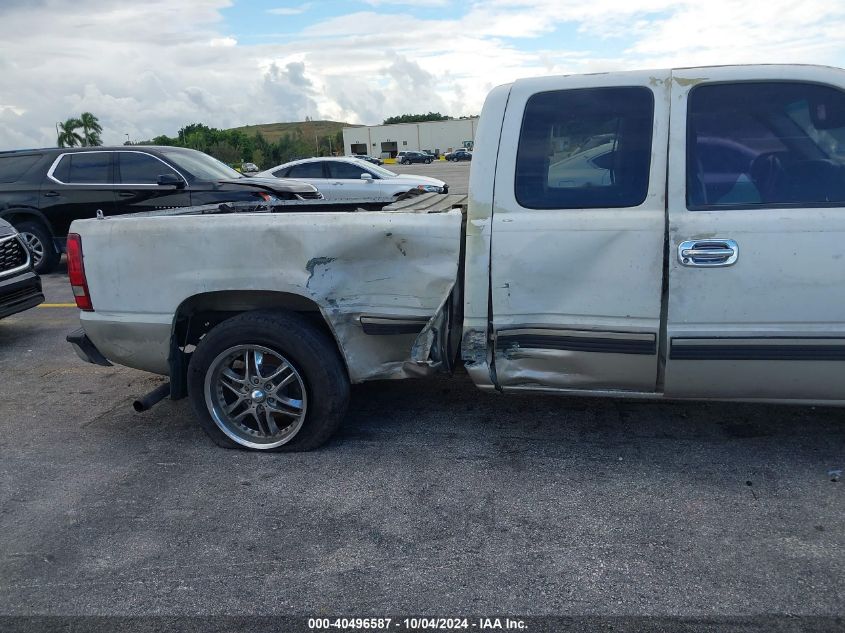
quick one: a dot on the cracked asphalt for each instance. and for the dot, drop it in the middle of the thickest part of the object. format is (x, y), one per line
(434, 498)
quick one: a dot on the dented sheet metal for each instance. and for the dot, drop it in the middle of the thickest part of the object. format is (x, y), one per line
(374, 263)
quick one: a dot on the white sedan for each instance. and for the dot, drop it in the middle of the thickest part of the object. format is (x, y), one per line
(354, 180)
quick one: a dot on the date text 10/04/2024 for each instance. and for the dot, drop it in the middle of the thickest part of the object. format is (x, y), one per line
(416, 624)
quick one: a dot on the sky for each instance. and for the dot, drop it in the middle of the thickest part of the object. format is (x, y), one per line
(149, 68)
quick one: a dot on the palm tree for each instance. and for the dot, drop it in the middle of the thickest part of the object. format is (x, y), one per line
(68, 136)
(91, 129)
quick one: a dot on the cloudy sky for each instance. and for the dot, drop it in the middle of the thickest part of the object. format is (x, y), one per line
(147, 68)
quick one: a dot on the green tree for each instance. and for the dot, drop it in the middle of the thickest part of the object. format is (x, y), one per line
(91, 130)
(68, 136)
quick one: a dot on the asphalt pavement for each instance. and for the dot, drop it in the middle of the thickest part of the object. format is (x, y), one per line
(433, 499)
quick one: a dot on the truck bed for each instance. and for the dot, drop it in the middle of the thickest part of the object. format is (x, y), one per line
(380, 280)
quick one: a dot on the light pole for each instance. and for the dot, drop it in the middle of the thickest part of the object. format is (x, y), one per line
(128, 140)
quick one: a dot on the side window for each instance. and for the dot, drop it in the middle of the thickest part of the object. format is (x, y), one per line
(13, 167)
(307, 170)
(84, 168)
(764, 144)
(140, 169)
(345, 171)
(585, 148)
(282, 173)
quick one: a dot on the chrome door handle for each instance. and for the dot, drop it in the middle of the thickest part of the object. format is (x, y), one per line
(708, 253)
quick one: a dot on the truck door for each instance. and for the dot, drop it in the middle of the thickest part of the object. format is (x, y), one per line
(579, 233)
(756, 304)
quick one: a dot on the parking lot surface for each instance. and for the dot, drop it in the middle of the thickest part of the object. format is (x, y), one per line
(433, 499)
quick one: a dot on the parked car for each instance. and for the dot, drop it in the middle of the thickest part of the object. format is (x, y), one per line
(655, 280)
(249, 168)
(369, 159)
(20, 286)
(42, 191)
(458, 154)
(406, 158)
(353, 180)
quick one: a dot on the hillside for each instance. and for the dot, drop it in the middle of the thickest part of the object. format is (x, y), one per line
(274, 131)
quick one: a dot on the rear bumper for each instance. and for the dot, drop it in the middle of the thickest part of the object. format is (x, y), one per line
(20, 293)
(85, 349)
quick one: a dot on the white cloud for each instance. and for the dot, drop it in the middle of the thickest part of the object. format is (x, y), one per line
(290, 10)
(147, 69)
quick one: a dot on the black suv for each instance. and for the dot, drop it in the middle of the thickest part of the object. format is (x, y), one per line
(459, 154)
(20, 287)
(42, 191)
(406, 158)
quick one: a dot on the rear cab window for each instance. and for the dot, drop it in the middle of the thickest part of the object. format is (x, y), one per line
(585, 148)
(765, 144)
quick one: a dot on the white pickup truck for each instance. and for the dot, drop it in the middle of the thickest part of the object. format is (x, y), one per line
(660, 234)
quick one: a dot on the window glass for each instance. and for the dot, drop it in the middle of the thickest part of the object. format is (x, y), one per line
(344, 170)
(281, 173)
(13, 167)
(89, 168)
(198, 165)
(141, 169)
(585, 148)
(765, 143)
(307, 170)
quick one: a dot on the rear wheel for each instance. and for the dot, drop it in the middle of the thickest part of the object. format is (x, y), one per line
(268, 381)
(40, 244)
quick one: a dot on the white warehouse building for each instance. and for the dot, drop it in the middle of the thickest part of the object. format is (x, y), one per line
(385, 141)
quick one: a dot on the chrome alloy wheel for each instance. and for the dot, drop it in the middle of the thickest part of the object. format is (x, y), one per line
(255, 396)
(35, 246)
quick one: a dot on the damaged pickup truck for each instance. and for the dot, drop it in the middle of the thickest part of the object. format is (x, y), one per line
(663, 234)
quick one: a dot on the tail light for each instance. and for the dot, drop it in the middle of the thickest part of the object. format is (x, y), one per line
(76, 273)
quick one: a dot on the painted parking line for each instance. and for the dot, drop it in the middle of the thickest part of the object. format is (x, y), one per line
(57, 305)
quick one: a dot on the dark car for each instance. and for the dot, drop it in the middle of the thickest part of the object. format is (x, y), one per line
(43, 191)
(20, 286)
(459, 154)
(406, 158)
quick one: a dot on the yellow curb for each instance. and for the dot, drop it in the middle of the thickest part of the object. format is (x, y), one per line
(57, 305)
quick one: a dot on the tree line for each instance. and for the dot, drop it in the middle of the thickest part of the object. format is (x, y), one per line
(415, 118)
(235, 146)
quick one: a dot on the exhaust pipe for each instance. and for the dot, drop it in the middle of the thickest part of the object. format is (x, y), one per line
(145, 403)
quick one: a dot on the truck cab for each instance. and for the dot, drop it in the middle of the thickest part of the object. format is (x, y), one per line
(674, 233)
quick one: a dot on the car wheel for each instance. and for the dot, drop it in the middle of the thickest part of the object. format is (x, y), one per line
(428, 161)
(405, 161)
(268, 381)
(40, 244)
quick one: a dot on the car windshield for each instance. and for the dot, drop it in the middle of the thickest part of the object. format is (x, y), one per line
(201, 166)
(375, 169)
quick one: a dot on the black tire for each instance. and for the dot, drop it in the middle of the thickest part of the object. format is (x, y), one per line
(35, 232)
(428, 161)
(406, 162)
(309, 351)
